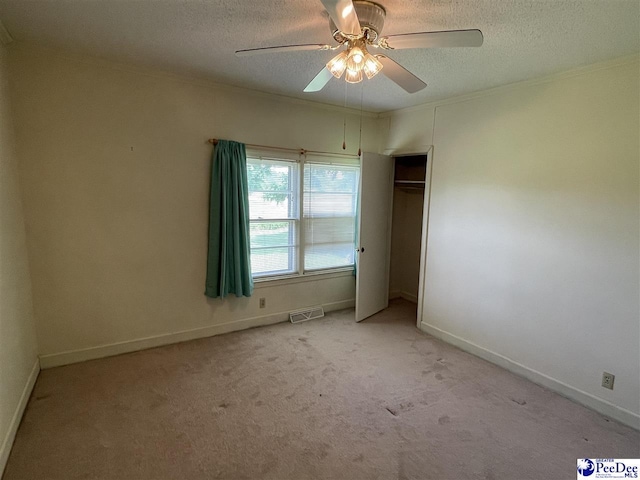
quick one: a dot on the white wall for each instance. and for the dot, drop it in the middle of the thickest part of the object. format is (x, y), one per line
(18, 349)
(533, 255)
(115, 168)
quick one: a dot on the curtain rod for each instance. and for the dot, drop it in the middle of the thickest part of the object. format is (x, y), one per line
(301, 151)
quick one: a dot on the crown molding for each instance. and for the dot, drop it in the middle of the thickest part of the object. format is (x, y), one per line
(5, 36)
(574, 72)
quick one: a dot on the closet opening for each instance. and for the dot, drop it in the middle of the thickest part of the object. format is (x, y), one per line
(408, 235)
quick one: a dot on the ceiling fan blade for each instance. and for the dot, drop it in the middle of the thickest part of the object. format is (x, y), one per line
(397, 73)
(282, 48)
(343, 15)
(450, 38)
(319, 81)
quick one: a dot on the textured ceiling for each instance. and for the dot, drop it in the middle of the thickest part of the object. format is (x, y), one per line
(523, 39)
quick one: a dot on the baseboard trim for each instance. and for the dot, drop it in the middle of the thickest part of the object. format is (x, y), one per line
(409, 297)
(127, 346)
(588, 400)
(7, 442)
(400, 294)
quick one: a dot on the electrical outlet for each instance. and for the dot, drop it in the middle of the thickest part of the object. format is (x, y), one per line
(607, 380)
(263, 302)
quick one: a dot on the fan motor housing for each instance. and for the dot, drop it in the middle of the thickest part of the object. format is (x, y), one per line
(371, 16)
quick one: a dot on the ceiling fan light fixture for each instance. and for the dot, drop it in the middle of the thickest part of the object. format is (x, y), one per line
(355, 58)
(338, 64)
(372, 66)
(353, 76)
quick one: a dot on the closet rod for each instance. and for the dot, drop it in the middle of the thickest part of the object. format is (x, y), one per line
(301, 151)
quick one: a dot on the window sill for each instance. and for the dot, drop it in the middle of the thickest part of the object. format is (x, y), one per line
(263, 282)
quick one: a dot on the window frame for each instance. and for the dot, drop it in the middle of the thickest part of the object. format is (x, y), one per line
(301, 160)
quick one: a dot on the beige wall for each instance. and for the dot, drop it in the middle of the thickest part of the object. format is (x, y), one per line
(533, 233)
(18, 349)
(115, 168)
(406, 237)
(533, 248)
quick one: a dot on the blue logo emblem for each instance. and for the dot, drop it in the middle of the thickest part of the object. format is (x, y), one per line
(585, 467)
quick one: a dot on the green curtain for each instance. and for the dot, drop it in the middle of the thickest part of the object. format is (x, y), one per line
(229, 259)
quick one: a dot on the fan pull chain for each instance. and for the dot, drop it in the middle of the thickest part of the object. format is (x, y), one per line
(344, 123)
(344, 133)
(360, 140)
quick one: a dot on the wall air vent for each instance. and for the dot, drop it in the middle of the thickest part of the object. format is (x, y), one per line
(307, 314)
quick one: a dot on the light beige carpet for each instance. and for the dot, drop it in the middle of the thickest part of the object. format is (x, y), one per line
(326, 399)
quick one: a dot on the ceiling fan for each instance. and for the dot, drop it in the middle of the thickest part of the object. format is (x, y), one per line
(357, 25)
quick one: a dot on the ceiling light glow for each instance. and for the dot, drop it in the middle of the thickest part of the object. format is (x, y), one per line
(354, 61)
(353, 76)
(371, 66)
(338, 64)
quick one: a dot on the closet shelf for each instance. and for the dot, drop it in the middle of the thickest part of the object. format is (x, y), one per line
(409, 184)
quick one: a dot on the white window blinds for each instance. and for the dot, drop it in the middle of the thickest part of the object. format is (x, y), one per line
(329, 209)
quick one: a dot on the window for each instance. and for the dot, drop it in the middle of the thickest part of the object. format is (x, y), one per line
(274, 216)
(302, 215)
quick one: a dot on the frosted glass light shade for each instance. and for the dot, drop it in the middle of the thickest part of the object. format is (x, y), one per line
(338, 64)
(355, 59)
(371, 66)
(353, 76)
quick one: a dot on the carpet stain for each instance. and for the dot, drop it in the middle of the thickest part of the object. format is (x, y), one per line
(519, 402)
(488, 475)
(224, 405)
(392, 411)
(406, 406)
(272, 359)
(158, 400)
(444, 420)
(439, 365)
(328, 370)
(42, 397)
(324, 450)
(270, 464)
(303, 339)
(359, 458)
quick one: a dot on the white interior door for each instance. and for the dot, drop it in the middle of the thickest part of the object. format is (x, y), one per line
(374, 234)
